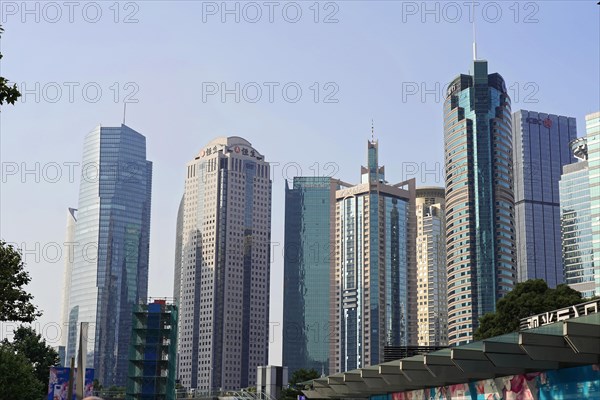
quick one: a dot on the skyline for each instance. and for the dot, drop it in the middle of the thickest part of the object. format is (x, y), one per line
(359, 96)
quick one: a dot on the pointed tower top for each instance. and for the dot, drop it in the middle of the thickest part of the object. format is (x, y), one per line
(474, 35)
(372, 130)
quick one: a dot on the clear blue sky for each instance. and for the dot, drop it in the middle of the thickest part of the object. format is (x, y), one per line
(373, 56)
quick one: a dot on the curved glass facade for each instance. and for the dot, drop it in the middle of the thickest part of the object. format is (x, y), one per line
(110, 268)
(480, 233)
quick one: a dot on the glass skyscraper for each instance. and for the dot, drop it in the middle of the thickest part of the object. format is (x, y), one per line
(69, 239)
(224, 276)
(480, 235)
(111, 248)
(308, 266)
(432, 307)
(580, 212)
(592, 127)
(541, 149)
(375, 269)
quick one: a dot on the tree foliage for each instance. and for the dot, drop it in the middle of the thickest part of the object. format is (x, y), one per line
(8, 93)
(527, 298)
(31, 345)
(300, 375)
(15, 302)
(17, 378)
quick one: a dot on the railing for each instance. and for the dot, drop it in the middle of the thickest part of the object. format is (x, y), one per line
(229, 395)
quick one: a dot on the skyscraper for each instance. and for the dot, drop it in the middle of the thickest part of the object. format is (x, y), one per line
(374, 268)
(580, 212)
(541, 149)
(225, 270)
(69, 259)
(308, 266)
(432, 306)
(178, 244)
(592, 127)
(480, 234)
(112, 232)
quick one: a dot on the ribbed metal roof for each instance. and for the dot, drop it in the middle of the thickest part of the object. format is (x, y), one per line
(569, 343)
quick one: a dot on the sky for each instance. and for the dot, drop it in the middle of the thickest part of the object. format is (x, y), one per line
(302, 81)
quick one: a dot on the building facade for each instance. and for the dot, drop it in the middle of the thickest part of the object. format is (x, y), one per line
(592, 127)
(271, 380)
(374, 268)
(68, 272)
(580, 212)
(178, 244)
(110, 264)
(541, 149)
(480, 236)
(152, 354)
(308, 266)
(225, 267)
(432, 306)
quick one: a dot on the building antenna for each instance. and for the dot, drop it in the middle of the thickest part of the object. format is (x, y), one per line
(372, 131)
(474, 36)
(124, 111)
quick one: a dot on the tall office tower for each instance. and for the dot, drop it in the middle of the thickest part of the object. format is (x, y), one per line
(375, 268)
(541, 149)
(69, 240)
(178, 244)
(579, 212)
(480, 234)
(225, 270)
(432, 306)
(592, 127)
(110, 268)
(309, 213)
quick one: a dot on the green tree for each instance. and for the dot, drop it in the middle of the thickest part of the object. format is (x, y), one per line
(301, 375)
(32, 346)
(15, 302)
(17, 378)
(8, 94)
(527, 298)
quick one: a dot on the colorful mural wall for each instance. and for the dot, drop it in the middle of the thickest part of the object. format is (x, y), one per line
(562, 384)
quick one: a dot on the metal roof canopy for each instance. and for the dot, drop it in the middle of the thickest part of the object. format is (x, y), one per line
(569, 343)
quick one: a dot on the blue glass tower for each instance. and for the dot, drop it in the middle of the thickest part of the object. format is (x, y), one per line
(541, 149)
(480, 234)
(111, 248)
(309, 210)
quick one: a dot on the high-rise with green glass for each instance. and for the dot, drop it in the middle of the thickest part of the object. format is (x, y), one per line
(309, 210)
(372, 299)
(480, 235)
(592, 128)
(580, 212)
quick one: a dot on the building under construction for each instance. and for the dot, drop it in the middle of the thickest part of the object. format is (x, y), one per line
(153, 349)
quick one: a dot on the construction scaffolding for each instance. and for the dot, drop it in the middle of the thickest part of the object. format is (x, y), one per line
(153, 351)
